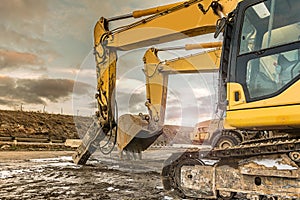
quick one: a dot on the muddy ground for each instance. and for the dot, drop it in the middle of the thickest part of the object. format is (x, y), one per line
(52, 175)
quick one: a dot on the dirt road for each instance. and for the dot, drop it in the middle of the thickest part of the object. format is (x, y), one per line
(52, 175)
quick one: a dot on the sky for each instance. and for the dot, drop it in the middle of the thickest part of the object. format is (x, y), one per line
(47, 65)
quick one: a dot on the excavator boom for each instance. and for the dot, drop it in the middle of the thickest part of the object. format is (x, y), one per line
(170, 23)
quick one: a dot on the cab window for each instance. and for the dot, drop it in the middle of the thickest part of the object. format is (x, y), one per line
(269, 48)
(269, 74)
(268, 24)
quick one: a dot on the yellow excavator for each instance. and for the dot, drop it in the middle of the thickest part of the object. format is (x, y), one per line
(258, 93)
(157, 74)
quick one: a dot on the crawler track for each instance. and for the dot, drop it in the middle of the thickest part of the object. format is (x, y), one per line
(190, 157)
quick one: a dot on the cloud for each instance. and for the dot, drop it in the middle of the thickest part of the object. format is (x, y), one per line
(13, 59)
(22, 27)
(57, 35)
(22, 42)
(130, 86)
(131, 102)
(61, 32)
(188, 115)
(38, 91)
(30, 13)
(23, 9)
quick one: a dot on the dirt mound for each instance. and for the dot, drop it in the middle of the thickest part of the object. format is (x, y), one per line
(21, 124)
(42, 125)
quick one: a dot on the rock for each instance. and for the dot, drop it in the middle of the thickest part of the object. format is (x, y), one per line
(5, 147)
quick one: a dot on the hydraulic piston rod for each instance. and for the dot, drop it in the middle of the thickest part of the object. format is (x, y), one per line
(146, 12)
(194, 46)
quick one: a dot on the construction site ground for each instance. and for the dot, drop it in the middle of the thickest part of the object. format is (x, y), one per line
(52, 175)
(43, 172)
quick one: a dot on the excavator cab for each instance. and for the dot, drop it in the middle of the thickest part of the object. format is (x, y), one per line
(264, 68)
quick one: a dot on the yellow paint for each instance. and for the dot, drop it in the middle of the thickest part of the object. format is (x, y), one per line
(150, 11)
(202, 62)
(272, 113)
(185, 22)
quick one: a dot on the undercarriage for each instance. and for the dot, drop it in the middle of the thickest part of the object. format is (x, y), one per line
(248, 171)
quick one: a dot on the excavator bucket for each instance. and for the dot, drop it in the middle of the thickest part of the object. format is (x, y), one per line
(134, 134)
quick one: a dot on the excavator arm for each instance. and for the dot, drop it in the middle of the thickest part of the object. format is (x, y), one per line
(166, 23)
(157, 73)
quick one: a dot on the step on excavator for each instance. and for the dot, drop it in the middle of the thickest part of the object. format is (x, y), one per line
(259, 84)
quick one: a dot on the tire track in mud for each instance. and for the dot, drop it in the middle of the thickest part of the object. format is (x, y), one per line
(61, 179)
